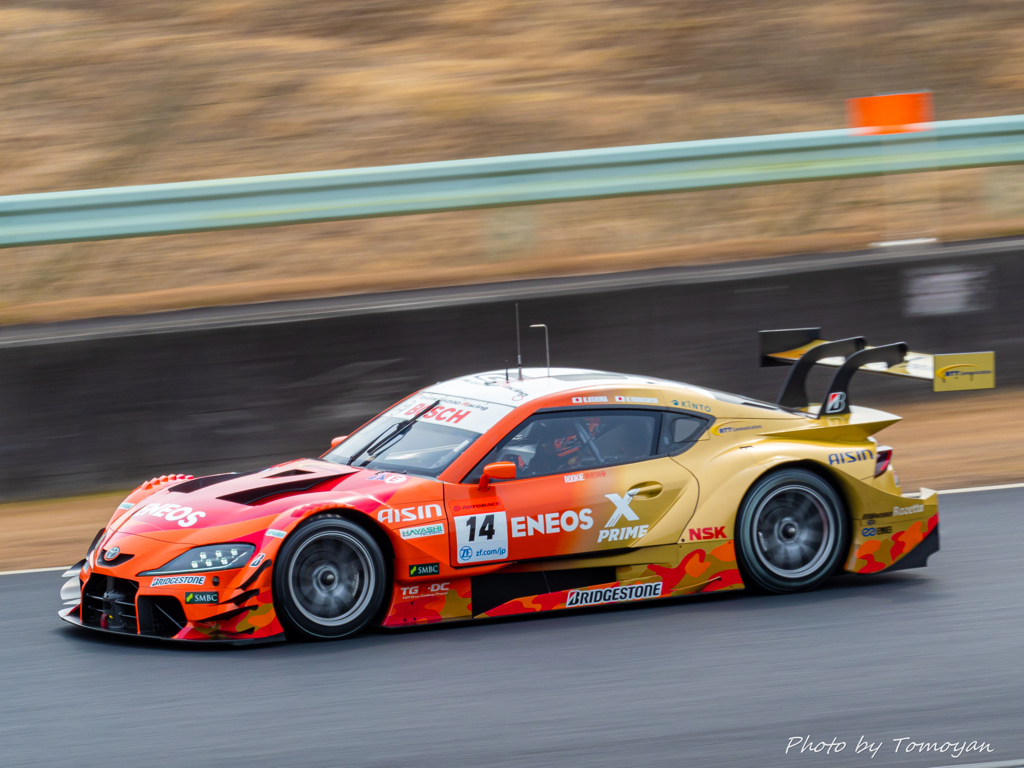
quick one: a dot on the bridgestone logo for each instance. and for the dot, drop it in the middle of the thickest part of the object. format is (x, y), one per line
(164, 581)
(579, 597)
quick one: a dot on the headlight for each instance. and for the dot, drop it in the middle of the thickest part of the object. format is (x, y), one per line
(218, 557)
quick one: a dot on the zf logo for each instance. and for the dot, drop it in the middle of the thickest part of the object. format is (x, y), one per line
(836, 402)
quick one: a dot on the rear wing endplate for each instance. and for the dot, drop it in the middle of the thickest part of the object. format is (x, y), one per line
(803, 348)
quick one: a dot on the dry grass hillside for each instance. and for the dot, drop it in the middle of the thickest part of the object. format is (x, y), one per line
(122, 92)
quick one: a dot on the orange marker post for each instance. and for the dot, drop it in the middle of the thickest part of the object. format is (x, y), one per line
(890, 114)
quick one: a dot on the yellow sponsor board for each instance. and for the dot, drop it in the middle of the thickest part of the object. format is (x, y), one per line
(975, 370)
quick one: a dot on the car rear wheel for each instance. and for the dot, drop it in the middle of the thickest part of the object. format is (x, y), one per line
(792, 530)
(330, 579)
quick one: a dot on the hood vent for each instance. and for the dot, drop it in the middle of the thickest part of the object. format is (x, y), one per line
(205, 482)
(252, 496)
(290, 473)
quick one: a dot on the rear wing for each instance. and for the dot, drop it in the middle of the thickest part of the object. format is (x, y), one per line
(803, 348)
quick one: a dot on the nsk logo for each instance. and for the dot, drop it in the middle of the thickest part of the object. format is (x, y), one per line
(707, 534)
(408, 514)
(601, 596)
(850, 456)
(552, 523)
(592, 399)
(184, 516)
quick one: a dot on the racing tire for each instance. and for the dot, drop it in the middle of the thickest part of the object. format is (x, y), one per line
(330, 579)
(792, 530)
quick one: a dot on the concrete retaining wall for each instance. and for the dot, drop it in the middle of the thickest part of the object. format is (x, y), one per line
(109, 409)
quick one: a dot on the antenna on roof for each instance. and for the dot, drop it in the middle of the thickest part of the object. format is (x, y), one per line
(547, 348)
(519, 350)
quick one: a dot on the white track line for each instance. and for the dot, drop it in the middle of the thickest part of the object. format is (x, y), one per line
(34, 570)
(1010, 764)
(983, 488)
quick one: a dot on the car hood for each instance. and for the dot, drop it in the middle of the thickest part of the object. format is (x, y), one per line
(188, 512)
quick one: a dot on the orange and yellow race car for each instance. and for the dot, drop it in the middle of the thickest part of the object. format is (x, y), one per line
(496, 495)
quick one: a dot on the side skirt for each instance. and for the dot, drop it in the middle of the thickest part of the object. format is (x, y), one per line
(700, 569)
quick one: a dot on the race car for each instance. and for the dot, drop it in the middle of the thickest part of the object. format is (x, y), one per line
(496, 495)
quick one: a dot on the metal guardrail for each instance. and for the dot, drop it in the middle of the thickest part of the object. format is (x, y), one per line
(164, 209)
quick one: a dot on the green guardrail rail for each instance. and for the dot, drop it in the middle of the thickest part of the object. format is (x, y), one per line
(264, 201)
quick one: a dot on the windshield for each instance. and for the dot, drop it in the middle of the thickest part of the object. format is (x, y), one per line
(426, 446)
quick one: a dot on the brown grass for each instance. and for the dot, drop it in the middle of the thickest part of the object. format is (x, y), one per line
(972, 440)
(121, 92)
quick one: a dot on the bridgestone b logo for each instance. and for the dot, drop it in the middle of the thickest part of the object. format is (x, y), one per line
(578, 597)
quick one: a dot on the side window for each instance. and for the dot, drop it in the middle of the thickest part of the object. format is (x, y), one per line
(568, 441)
(678, 432)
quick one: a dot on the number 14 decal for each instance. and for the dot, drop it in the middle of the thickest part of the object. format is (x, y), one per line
(486, 528)
(481, 538)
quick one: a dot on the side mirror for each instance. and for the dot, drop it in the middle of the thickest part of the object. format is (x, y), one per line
(337, 440)
(499, 470)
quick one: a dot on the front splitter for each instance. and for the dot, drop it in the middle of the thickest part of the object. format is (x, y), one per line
(68, 615)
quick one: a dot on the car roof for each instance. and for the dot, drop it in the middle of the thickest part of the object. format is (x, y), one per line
(494, 387)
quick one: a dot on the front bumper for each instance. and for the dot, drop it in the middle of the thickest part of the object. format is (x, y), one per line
(114, 600)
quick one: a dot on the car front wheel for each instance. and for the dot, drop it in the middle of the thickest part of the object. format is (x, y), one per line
(792, 529)
(329, 579)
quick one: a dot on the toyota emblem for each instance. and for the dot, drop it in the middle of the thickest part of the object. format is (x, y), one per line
(111, 553)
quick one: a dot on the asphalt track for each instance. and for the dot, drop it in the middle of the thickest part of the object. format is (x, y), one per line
(934, 655)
